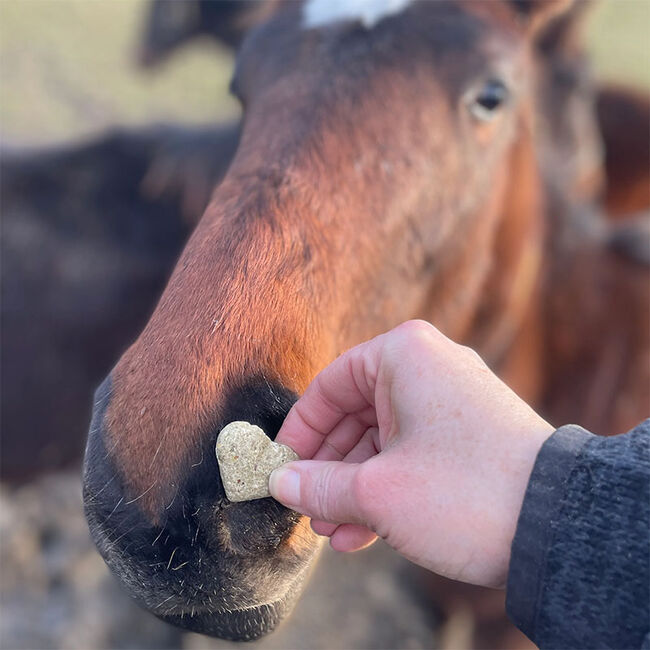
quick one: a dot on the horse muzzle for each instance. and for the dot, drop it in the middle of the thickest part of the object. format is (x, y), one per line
(232, 570)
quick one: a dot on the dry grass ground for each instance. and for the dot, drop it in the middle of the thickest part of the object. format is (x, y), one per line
(67, 69)
(619, 39)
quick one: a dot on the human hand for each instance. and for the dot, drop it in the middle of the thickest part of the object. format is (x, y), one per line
(437, 454)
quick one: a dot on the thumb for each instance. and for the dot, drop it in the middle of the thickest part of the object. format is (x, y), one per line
(323, 490)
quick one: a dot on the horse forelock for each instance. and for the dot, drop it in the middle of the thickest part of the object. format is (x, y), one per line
(320, 13)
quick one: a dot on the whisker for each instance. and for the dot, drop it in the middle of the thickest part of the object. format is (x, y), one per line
(94, 496)
(153, 460)
(197, 464)
(172, 501)
(145, 492)
(114, 509)
(171, 557)
(164, 601)
(113, 542)
(159, 534)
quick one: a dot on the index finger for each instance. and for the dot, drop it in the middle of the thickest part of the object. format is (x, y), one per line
(346, 386)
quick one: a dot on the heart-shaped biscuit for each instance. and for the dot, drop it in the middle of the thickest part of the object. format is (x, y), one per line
(246, 457)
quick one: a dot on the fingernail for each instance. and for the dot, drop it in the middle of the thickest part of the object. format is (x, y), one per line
(284, 485)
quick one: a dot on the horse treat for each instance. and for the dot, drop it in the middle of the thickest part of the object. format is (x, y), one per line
(246, 457)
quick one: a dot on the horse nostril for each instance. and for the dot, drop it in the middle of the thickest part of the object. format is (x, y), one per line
(254, 527)
(259, 402)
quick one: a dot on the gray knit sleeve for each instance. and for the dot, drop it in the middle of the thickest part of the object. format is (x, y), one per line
(580, 566)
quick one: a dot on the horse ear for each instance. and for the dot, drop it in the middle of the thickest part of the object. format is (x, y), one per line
(169, 24)
(538, 13)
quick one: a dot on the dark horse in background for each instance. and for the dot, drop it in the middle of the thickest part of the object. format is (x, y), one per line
(407, 161)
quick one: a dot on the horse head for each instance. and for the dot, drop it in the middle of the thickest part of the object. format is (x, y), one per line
(385, 157)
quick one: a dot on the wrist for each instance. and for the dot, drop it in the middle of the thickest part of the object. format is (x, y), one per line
(530, 441)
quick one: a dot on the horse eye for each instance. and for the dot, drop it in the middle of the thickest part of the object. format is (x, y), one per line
(486, 103)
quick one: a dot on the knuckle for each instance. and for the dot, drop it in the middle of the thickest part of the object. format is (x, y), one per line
(471, 354)
(324, 494)
(417, 327)
(420, 340)
(343, 493)
(363, 493)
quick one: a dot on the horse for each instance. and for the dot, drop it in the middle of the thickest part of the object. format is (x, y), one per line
(626, 113)
(389, 167)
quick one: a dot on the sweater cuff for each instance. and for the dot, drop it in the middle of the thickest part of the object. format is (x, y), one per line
(541, 507)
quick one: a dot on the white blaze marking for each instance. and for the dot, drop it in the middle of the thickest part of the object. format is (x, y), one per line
(317, 13)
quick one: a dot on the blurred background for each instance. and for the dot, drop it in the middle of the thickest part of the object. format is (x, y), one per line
(133, 94)
(67, 67)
